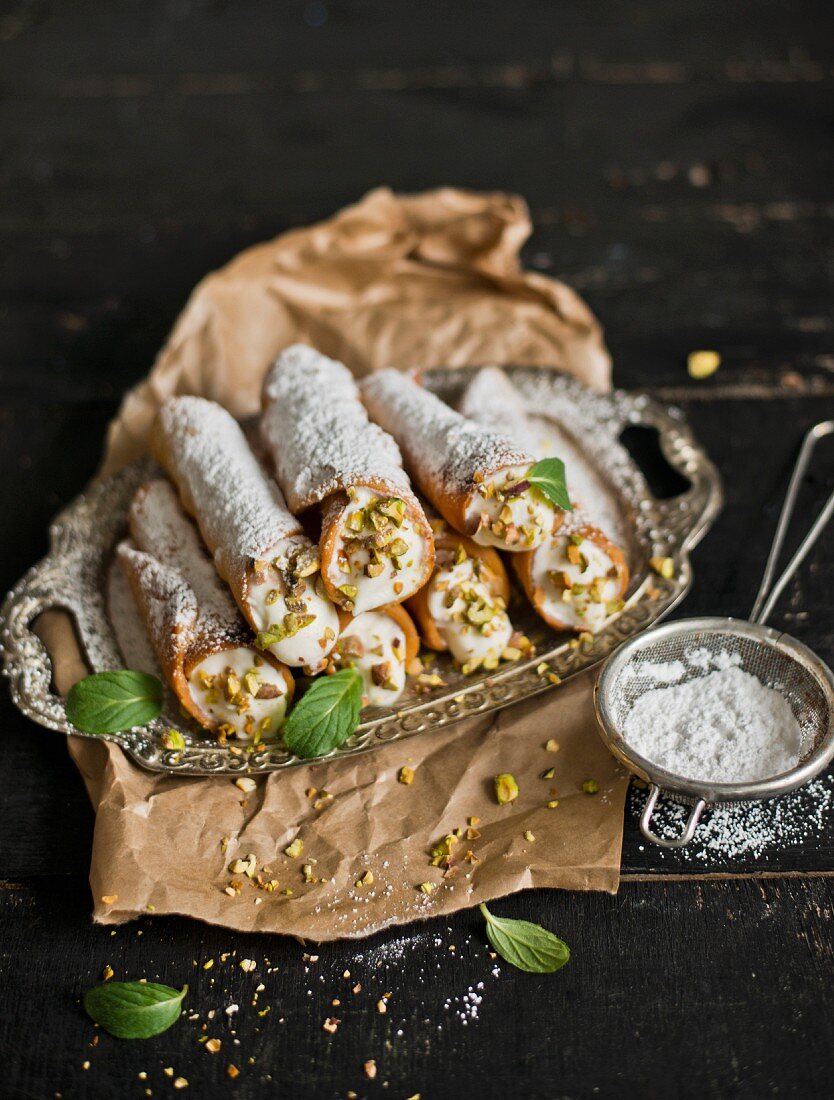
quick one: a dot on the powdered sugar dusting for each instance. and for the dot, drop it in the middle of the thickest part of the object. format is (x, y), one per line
(723, 727)
(161, 529)
(318, 433)
(241, 512)
(443, 449)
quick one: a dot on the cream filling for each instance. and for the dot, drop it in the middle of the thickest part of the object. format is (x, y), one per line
(579, 593)
(456, 597)
(374, 644)
(511, 522)
(304, 623)
(397, 574)
(226, 686)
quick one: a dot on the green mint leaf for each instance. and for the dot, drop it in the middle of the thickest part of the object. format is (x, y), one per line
(134, 1010)
(110, 701)
(326, 715)
(524, 945)
(549, 475)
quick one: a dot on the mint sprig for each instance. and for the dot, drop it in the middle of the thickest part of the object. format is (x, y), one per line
(326, 715)
(524, 945)
(107, 702)
(548, 475)
(134, 1010)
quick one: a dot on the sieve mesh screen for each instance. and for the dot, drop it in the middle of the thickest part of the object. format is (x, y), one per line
(771, 663)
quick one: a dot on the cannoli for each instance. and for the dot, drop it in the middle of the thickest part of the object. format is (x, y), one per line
(475, 477)
(259, 549)
(380, 645)
(376, 545)
(201, 640)
(577, 578)
(463, 608)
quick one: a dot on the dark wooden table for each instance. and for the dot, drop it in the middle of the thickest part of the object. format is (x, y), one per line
(678, 161)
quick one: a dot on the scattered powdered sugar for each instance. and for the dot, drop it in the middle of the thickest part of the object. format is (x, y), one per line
(723, 727)
(443, 449)
(318, 433)
(744, 830)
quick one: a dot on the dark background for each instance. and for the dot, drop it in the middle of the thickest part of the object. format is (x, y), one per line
(678, 161)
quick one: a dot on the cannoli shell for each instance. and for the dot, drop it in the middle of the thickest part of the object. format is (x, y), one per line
(180, 635)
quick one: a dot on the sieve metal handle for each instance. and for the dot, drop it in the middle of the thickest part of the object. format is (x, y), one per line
(675, 842)
(767, 596)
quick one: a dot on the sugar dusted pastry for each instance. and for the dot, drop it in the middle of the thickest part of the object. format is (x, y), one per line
(201, 640)
(576, 579)
(376, 545)
(473, 475)
(259, 549)
(380, 645)
(463, 608)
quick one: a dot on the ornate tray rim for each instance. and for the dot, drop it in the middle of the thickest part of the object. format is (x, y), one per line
(83, 534)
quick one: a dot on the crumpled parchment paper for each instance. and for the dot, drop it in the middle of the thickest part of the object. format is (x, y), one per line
(408, 281)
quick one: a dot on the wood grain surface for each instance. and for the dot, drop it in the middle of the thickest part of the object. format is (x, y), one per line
(678, 161)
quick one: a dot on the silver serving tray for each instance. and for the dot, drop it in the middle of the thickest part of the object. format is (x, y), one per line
(75, 576)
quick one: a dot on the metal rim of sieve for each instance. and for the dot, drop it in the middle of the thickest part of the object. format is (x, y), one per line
(787, 649)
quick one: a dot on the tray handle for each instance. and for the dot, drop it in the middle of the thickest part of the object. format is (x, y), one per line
(27, 663)
(685, 518)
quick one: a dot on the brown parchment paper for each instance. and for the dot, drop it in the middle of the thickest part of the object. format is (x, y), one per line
(407, 281)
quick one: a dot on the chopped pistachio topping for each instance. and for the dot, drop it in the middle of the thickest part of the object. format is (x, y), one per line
(506, 788)
(406, 775)
(590, 786)
(173, 739)
(294, 849)
(664, 567)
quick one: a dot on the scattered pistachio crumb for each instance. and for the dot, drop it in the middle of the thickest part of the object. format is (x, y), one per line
(109, 899)
(549, 773)
(247, 965)
(406, 775)
(590, 786)
(506, 788)
(553, 803)
(294, 849)
(428, 887)
(701, 364)
(365, 880)
(664, 567)
(529, 836)
(552, 745)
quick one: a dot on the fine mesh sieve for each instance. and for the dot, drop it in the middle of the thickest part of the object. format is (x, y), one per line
(776, 659)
